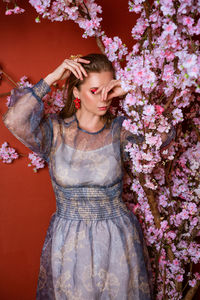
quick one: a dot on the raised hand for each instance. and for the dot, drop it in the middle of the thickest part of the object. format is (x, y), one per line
(67, 66)
(111, 90)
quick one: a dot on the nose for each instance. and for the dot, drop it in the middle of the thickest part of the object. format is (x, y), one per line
(103, 98)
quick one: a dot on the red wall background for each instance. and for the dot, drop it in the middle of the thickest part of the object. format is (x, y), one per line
(27, 198)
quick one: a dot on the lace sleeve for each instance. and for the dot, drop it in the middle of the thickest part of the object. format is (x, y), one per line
(25, 118)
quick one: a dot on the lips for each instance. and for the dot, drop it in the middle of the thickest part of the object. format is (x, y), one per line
(103, 108)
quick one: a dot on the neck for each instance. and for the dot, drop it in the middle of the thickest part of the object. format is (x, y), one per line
(89, 121)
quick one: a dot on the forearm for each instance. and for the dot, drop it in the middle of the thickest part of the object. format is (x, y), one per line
(50, 79)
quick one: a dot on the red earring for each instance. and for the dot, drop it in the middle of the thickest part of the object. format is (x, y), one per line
(77, 103)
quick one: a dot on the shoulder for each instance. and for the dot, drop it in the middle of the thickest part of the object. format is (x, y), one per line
(55, 123)
(58, 123)
(117, 127)
(53, 118)
(123, 123)
(118, 121)
(56, 118)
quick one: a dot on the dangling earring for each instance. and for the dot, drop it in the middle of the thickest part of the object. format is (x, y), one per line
(77, 103)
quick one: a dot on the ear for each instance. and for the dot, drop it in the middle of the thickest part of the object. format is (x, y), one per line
(76, 92)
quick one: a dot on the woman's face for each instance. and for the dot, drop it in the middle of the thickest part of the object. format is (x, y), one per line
(89, 101)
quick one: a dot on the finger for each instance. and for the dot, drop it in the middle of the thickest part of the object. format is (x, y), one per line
(73, 71)
(83, 60)
(109, 88)
(84, 71)
(80, 69)
(104, 94)
(73, 64)
(111, 96)
(98, 90)
(78, 60)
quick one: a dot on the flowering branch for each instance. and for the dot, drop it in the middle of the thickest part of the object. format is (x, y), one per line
(8, 77)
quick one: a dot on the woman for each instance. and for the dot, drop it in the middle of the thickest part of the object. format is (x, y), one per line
(94, 247)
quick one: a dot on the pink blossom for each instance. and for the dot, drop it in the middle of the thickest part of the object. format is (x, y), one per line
(36, 161)
(168, 73)
(192, 282)
(188, 21)
(179, 278)
(149, 110)
(184, 214)
(162, 261)
(163, 200)
(171, 235)
(169, 55)
(130, 100)
(159, 109)
(152, 140)
(7, 154)
(168, 29)
(178, 115)
(189, 60)
(18, 10)
(192, 207)
(197, 275)
(167, 7)
(9, 12)
(127, 124)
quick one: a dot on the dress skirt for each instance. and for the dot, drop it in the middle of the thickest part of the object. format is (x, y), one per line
(94, 249)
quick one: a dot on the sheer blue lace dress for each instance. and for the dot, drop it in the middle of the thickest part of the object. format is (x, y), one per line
(94, 247)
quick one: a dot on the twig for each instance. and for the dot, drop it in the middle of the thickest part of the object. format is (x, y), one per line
(100, 44)
(9, 78)
(151, 200)
(170, 99)
(192, 291)
(149, 30)
(197, 130)
(4, 94)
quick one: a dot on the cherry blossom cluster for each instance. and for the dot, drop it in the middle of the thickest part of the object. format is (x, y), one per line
(7, 154)
(168, 67)
(36, 161)
(84, 13)
(15, 10)
(54, 102)
(114, 49)
(163, 70)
